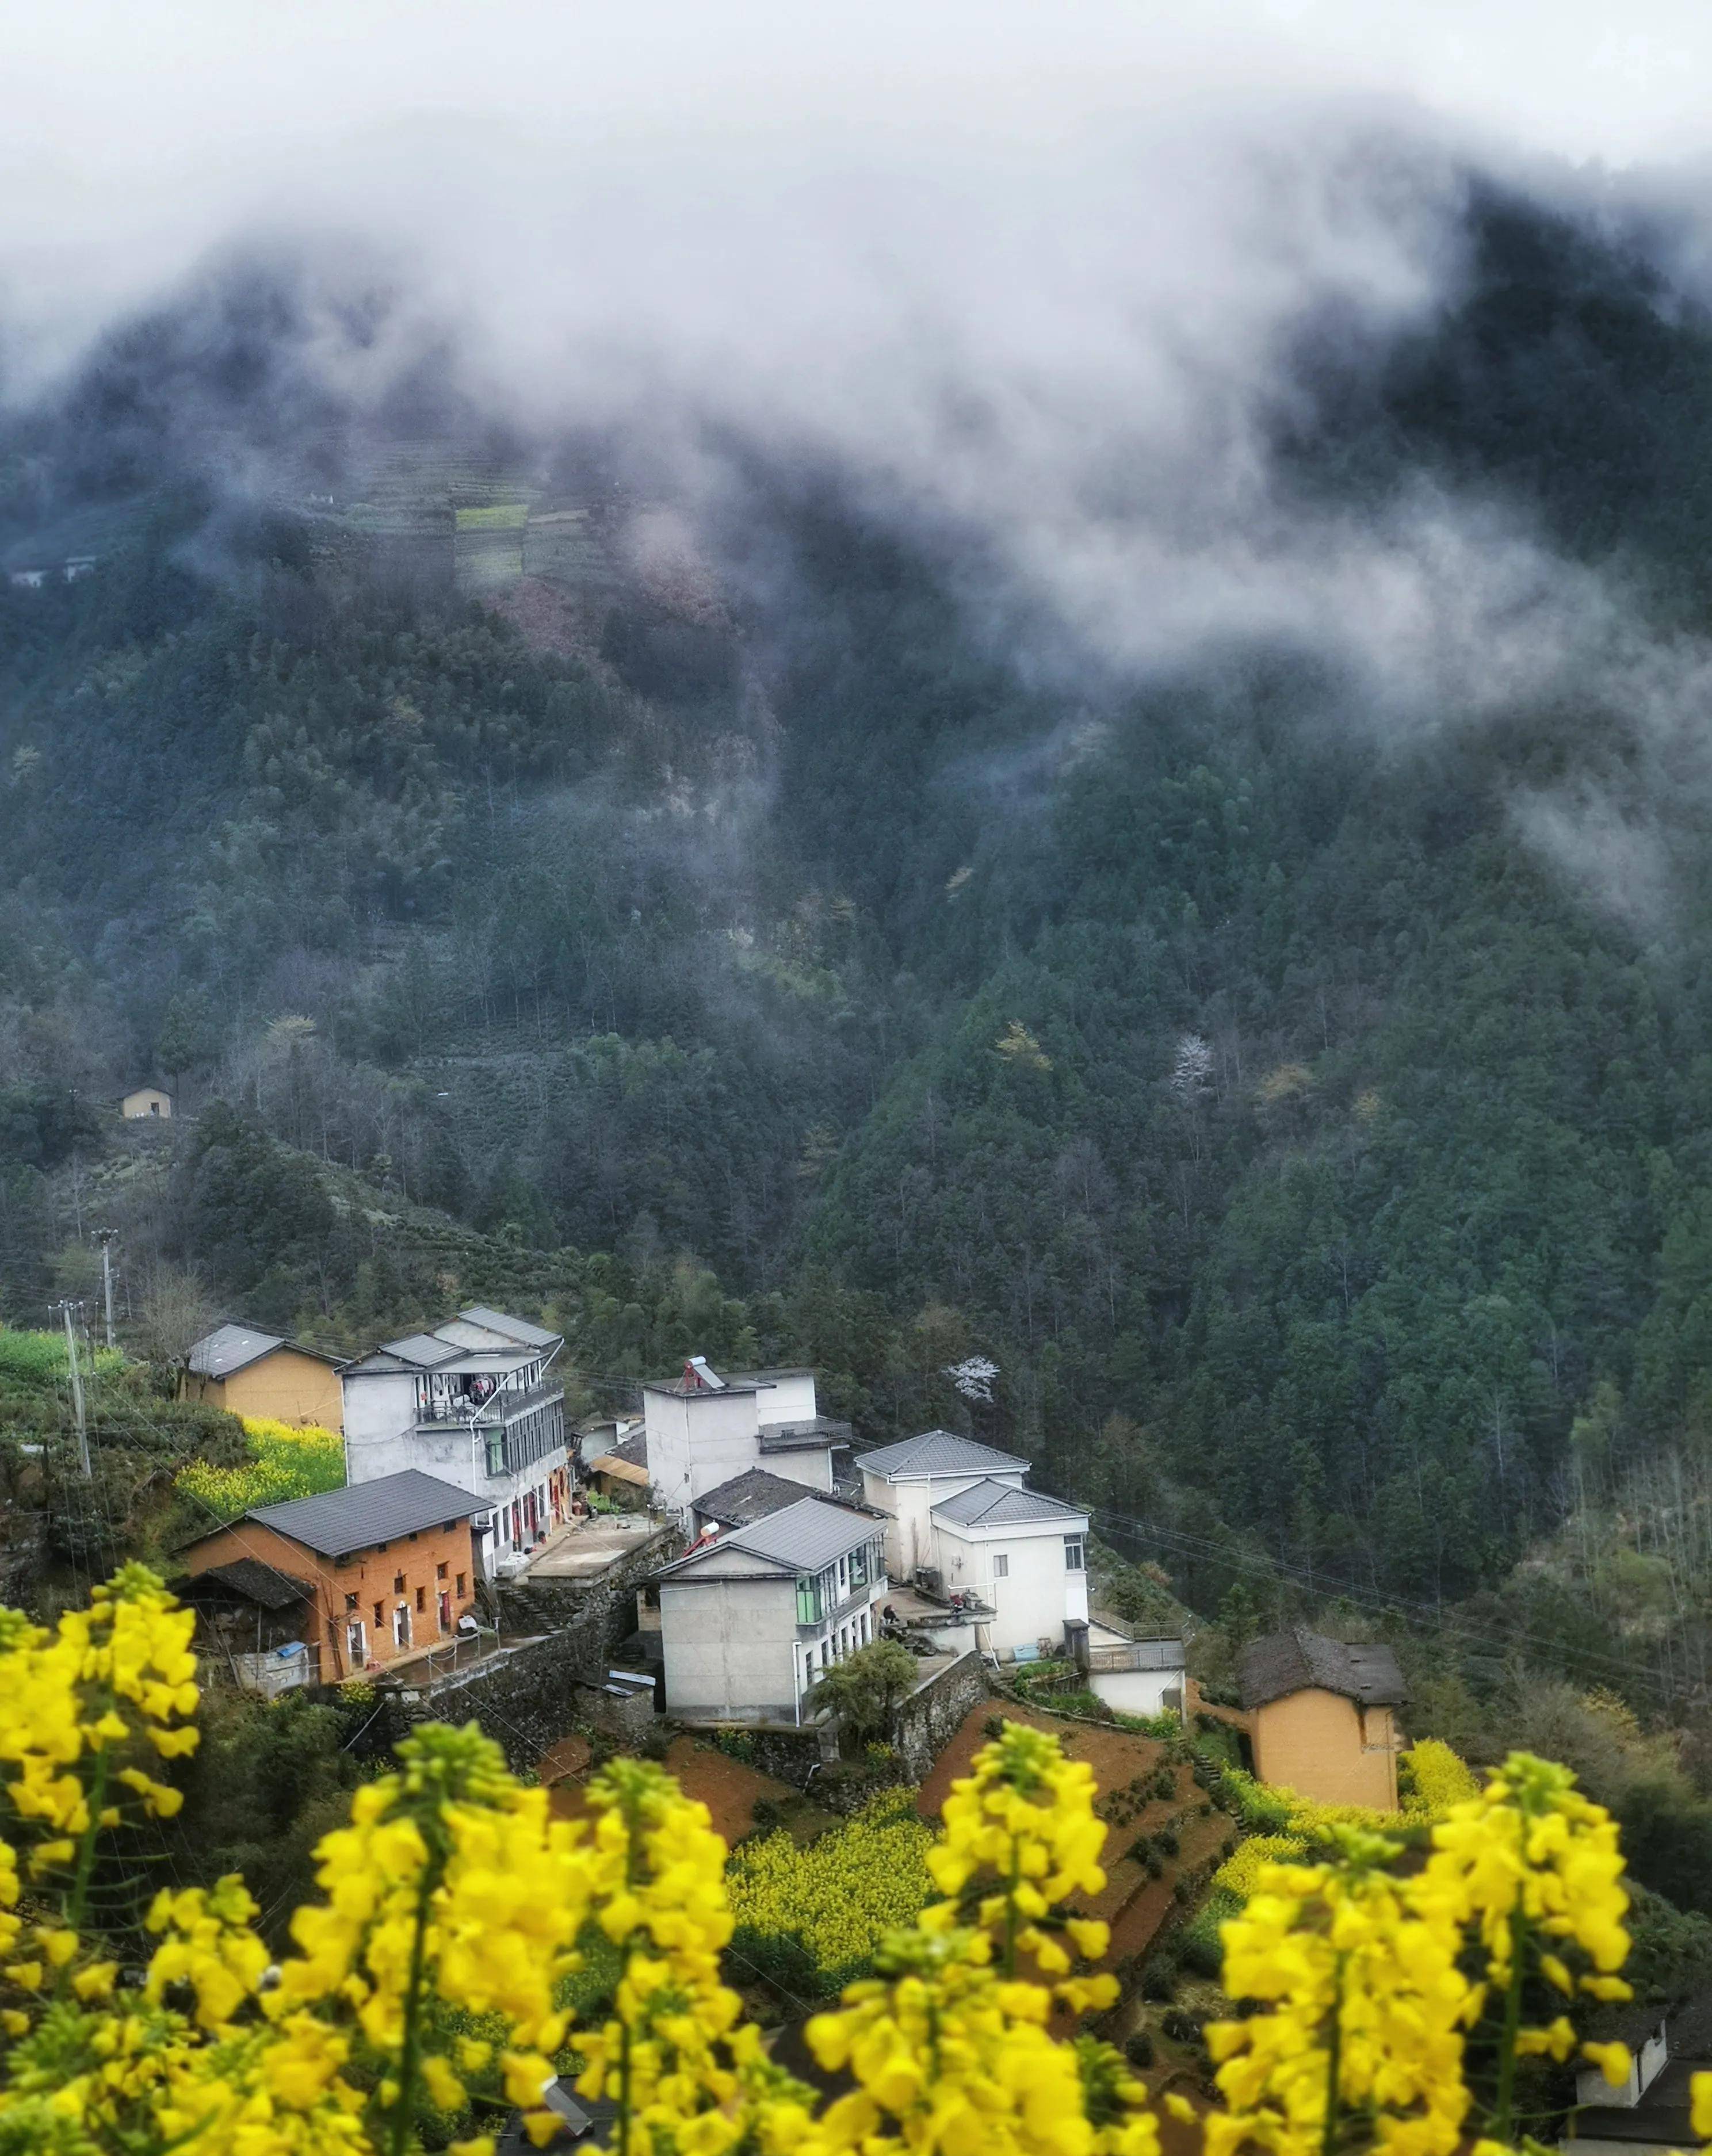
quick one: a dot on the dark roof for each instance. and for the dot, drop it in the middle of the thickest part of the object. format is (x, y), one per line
(476, 1339)
(747, 1497)
(805, 1537)
(1301, 1661)
(256, 1582)
(232, 1347)
(937, 1452)
(768, 1377)
(364, 1513)
(989, 1504)
(634, 1450)
(817, 1434)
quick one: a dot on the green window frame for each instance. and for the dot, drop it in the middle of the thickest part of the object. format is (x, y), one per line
(808, 1598)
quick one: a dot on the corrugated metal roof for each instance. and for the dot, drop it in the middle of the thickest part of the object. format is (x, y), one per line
(991, 1504)
(256, 1582)
(809, 1534)
(425, 1350)
(230, 1347)
(365, 1513)
(1301, 1661)
(512, 1328)
(937, 1452)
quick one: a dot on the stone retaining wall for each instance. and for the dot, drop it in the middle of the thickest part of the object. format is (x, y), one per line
(927, 1718)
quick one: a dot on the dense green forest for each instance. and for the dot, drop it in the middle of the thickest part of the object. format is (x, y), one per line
(1325, 1171)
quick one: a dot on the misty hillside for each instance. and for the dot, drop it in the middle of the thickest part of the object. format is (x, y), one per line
(1292, 1077)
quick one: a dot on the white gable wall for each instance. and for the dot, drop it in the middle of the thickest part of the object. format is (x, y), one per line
(729, 1648)
(813, 1469)
(789, 1399)
(909, 1503)
(1035, 1595)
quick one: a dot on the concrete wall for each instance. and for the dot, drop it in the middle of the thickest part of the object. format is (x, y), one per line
(1326, 1746)
(729, 1647)
(698, 1440)
(1036, 1595)
(813, 1469)
(789, 1398)
(283, 1387)
(1138, 1692)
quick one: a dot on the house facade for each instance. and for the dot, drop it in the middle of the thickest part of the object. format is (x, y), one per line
(1024, 1555)
(387, 1567)
(702, 1428)
(750, 1618)
(1322, 1716)
(250, 1372)
(474, 1402)
(144, 1102)
(905, 1481)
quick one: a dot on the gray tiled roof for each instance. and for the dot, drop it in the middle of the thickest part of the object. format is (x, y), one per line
(364, 1513)
(937, 1452)
(512, 1328)
(809, 1534)
(1301, 1661)
(230, 1347)
(752, 1495)
(1000, 1505)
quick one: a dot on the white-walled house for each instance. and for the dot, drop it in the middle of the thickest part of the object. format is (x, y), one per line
(703, 1429)
(749, 1618)
(1135, 1676)
(907, 1479)
(474, 1403)
(1024, 1554)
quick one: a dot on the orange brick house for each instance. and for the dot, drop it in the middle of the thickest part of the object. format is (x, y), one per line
(388, 1567)
(1322, 1716)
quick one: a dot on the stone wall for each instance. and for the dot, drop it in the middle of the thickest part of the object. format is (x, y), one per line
(927, 1718)
(532, 1691)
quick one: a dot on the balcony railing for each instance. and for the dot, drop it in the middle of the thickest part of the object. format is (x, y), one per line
(1136, 1655)
(500, 1407)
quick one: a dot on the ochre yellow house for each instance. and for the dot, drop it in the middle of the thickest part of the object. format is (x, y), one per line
(143, 1101)
(259, 1373)
(1321, 1717)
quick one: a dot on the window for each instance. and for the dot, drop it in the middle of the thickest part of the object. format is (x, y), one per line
(401, 1625)
(416, 1538)
(422, 1598)
(398, 1583)
(355, 1645)
(859, 1566)
(379, 1615)
(440, 1572)
(1001, 1567)
(350, 1601)
(808, 1599)
(461, 1587)
(495, 1452)
(1075, 1559)
(380, 1546)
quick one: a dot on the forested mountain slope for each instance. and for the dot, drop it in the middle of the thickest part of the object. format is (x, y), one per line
(1218, 1052)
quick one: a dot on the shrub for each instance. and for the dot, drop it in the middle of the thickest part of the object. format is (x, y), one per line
(1165, 1841)
(1158, 1979)
(284, 1463)
(1139, 2049)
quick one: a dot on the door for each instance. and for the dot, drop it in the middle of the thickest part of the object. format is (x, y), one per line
(355, 1645)
(401, 1625)
(445, 1610)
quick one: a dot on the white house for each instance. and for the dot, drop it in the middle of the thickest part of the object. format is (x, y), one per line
(1135, 1676)
(1024, 1554)
(749, 1618)
(703, 1429)
(473, 1402)
(907, 1479)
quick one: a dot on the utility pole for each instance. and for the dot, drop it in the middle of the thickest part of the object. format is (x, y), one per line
(83, 1435)
(106, 1238)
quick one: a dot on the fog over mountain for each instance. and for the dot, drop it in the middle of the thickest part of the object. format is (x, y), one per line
(888, 686)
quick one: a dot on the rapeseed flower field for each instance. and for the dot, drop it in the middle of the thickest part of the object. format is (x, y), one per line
(843, 1893)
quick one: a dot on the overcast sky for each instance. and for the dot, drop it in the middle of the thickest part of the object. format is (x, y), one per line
(138, 132)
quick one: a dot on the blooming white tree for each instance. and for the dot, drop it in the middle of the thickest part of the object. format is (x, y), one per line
(974, 1377)
(1192, 1067)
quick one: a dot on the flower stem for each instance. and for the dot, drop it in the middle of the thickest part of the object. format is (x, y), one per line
(86, 1851)
(409, 2053)
(1334, 2064)
(1504, 2103)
